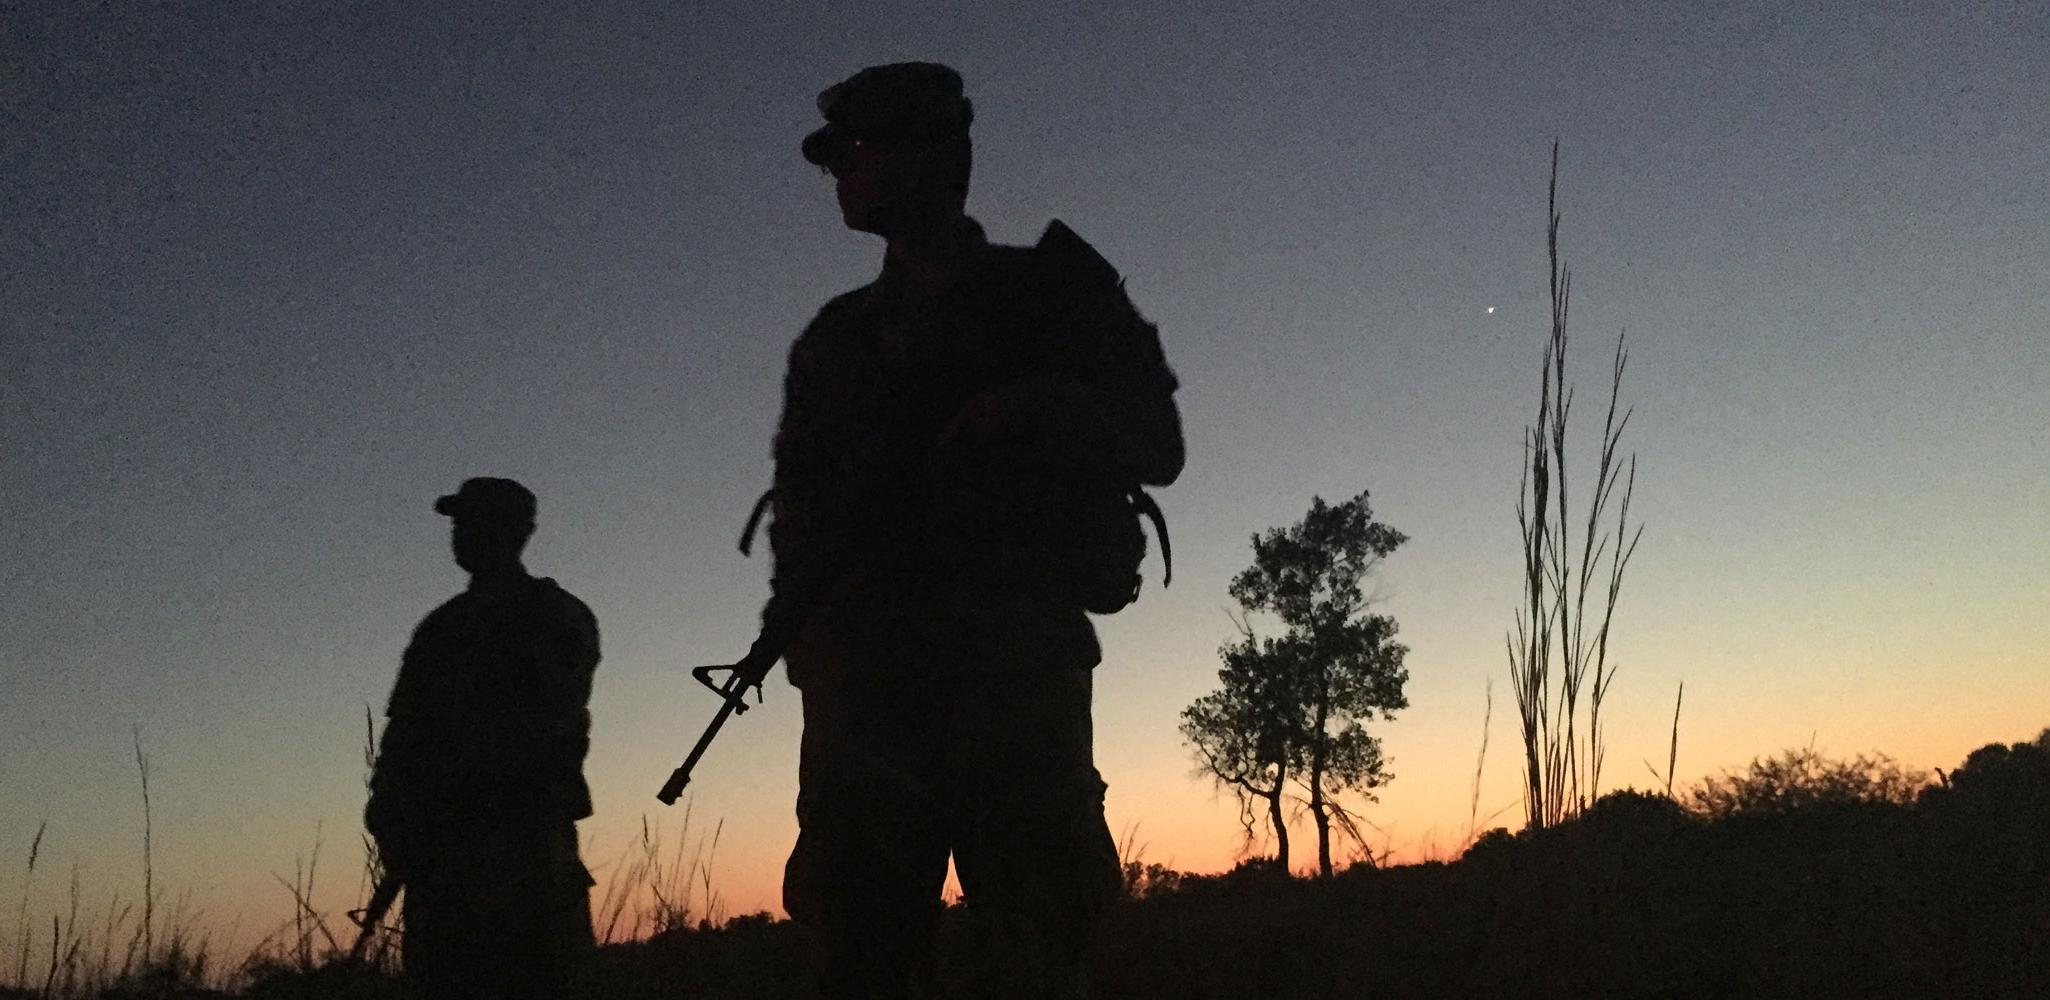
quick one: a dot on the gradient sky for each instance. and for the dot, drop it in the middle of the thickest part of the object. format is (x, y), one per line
(280, 274)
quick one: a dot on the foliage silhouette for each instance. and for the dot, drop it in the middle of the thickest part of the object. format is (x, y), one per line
(1804, 778)
(1996, 807)
(1293, 707)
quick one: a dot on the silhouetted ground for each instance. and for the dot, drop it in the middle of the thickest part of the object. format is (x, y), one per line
(1853, 903)
(1942, 895)
(1635, 901)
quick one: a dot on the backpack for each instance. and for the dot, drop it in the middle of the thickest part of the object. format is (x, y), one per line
(1100, 541)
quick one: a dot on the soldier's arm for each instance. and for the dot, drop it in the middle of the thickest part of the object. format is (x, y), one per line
(804, 532)
(404, 747)
(569, 656)
(400, 773)
(568, 659)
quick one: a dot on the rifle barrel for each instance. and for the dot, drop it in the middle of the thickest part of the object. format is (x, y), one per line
(673, 788)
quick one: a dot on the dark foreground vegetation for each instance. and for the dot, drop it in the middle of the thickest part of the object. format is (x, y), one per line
(1798, 877)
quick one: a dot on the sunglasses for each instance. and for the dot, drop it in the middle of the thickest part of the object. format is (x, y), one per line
(853, 155)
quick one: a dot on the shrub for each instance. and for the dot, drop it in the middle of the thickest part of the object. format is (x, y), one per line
(1629, 813)
(1804, 779)
(1144, 880)
(1494, 843)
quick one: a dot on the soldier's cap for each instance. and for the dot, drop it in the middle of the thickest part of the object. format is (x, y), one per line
(894, 102)
(487, 498)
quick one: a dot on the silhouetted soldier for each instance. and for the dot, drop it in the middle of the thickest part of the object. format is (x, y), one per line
(479, 777)
(953, 465)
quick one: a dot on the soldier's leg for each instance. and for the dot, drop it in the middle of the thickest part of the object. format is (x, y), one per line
(1036, 859)
(508, 919)
(870, 862)
(450, 946)
(430, 948)
(549, 940)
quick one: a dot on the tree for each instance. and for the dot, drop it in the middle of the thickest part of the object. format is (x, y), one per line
(1243, 736)
(1559, 652)
(1995, 808)
(1293, 707)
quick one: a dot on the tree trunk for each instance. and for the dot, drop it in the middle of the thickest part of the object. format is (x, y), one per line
(1323, 818)
(1319, 751)
(1274, 815)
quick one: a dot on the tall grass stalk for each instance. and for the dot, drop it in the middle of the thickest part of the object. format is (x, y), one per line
(1473, 808)
(86, 955)
(149, 874)
(307, 920)
(1673, 749)
(35, 847)
(380, 952)
(655, 889)
(1558, 653)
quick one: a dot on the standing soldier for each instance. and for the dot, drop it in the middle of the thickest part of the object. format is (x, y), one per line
(957, 472)
(479, 779)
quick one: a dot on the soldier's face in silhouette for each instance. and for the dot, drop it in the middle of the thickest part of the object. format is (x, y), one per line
(485, 544)
(891, 188)
(857, 182)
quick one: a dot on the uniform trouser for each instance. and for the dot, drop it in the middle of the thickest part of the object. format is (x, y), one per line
(504, 915)
(991, 766)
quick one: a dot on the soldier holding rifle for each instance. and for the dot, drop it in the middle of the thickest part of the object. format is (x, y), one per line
(957, 485)
(479, 780)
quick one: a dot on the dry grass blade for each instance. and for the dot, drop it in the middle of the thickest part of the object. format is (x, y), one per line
(35, 847)
(149, 875)
(1480, 763)
(1673, 751)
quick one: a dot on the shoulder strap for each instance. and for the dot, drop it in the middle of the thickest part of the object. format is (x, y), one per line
(754, 521)
(1148, 507)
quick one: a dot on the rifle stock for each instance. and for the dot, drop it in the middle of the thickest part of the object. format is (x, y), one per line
(372, 913)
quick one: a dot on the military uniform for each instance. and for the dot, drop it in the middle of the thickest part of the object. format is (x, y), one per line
(946, 661)
(478, 786)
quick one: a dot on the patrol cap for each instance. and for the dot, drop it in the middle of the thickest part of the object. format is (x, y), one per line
(898, 101)
(488, 498)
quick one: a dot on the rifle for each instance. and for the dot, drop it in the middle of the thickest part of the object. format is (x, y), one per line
(748, 673)
(781, 621)
(367, 918)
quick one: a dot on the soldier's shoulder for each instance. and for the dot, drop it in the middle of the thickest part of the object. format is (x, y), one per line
(837, 312)
(444, 614)
(564, 605)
